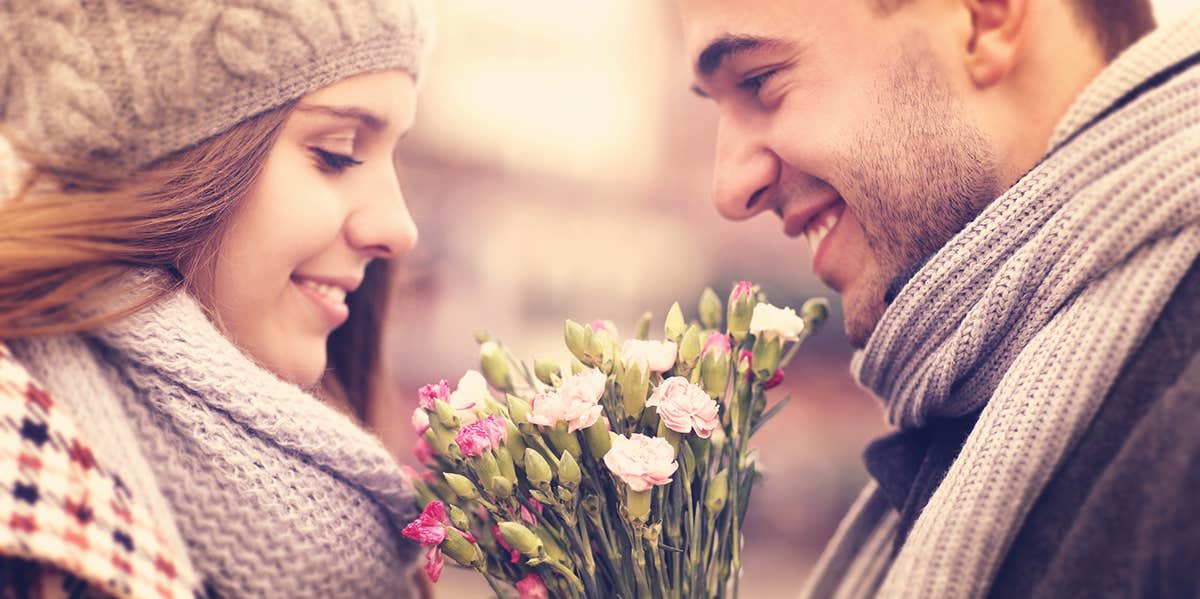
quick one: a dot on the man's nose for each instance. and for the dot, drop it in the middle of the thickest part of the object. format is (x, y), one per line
(745, 173)
(381, 225)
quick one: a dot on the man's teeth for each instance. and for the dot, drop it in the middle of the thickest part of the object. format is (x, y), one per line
(820, 226)
(333, 293)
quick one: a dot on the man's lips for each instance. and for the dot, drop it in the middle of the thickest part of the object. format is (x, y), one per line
(815, 222)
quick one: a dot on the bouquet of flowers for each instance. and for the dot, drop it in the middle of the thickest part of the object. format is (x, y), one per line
(626, 476)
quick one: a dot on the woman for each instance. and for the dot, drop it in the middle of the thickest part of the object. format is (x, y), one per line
(210, 183)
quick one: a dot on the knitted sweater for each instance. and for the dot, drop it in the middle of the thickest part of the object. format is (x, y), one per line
(267, 491)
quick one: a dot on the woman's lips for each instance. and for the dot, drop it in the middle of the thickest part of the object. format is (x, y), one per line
(330, 300)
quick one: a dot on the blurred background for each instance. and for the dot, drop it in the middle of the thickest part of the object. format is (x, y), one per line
(561, 168)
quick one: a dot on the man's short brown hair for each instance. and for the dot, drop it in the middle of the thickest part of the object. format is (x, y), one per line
(1117, 24)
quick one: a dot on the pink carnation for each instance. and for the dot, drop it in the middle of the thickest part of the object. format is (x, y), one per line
(577, 402)
(423, 451)
(775, 380)
(640, 461)
(718, 342)
(430, 527)
(684, 407)
(604, 325)
(481, 436)
(741, 290)
(427, 394)
(651, 356)
(532, 587)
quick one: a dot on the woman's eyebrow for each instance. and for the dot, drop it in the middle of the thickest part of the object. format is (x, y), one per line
(369, 120)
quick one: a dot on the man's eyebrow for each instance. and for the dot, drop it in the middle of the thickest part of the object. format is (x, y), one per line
(369, 120)
(727, 46)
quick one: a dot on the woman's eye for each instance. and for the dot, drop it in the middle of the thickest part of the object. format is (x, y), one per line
(754, 83)
(335, 163)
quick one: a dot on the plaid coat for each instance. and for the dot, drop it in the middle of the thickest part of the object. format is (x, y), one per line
(68, 525)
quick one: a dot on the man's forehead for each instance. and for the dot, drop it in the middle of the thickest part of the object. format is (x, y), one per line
(714, 28)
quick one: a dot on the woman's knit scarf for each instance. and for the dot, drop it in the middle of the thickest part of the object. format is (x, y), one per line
(1028, 314)
(270, 492)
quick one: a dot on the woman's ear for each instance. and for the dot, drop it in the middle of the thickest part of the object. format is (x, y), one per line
(998, 30)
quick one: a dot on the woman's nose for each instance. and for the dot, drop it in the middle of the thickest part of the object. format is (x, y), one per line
(381, 224)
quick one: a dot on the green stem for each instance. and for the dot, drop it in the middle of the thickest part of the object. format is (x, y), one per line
(492, 583)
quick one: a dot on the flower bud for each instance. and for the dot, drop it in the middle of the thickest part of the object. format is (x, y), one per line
(717, 493)
(485, 469)
(689, 349)
(815, 312)
(634, 387)
(576, 338)
(740, 309)
(642, 330)
(603, 350)
(597, 438)
(568, 471)
(502, 488)
(547, 372)
(537, 469)
(515, 444)
(505, 461)
(768, 351)
(458, 517)
(714, 373)
(445, 414)
(518, 410)
(577, 366)
(495, 366)
(563, 440)
(461, 550)
(462, 486)
(520, 538)
(675, 325)
(710, 309)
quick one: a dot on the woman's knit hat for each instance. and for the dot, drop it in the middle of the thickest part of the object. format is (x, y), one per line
(116, 84)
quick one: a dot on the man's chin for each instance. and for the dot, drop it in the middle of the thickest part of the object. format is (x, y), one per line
(862, 308)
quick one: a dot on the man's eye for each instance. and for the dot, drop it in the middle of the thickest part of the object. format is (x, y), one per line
(754, 83)
(335, 163)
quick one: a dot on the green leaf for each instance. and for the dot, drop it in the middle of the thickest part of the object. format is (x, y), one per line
(769, 414)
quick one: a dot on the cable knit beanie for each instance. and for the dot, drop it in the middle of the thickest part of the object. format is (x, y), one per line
(117, 84)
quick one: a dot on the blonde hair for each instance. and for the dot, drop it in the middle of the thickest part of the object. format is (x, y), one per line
(66, 237)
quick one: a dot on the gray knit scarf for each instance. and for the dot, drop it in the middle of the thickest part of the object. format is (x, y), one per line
(269, 491)
(1029, 314)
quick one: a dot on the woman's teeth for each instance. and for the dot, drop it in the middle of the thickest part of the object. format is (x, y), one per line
(332, 293)
(820, 226)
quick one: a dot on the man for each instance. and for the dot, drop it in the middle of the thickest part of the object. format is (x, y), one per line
(1006, 194)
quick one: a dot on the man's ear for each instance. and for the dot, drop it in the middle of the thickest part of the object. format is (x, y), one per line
(998, 29)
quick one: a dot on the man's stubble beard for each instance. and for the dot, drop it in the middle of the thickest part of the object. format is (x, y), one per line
(913, 179)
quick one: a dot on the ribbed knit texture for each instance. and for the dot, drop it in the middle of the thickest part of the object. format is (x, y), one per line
(119, 83)
(274, 493)
(1028, 314)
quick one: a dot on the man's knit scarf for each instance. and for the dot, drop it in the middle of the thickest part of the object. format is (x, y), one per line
(1028, 314)
(270, 492)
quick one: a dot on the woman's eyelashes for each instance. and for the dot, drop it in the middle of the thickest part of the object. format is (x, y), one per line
(333, 162)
